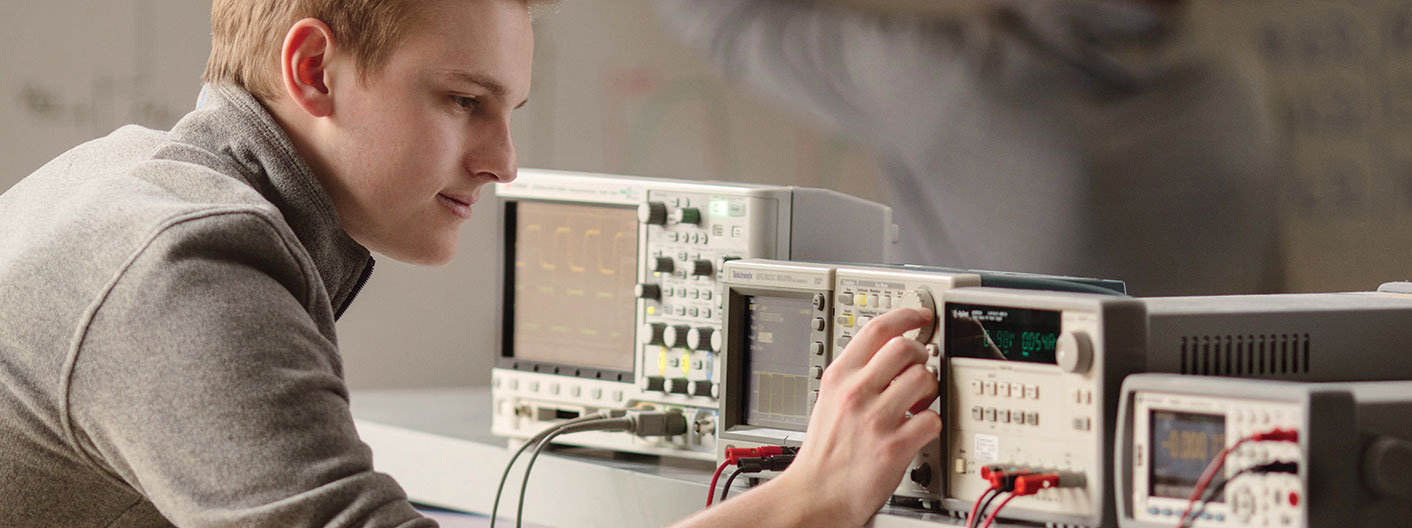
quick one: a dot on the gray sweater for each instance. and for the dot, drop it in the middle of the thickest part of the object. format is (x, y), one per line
(1078, 137)
(167, 348)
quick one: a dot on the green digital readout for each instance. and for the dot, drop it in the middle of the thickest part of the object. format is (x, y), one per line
(999, 333)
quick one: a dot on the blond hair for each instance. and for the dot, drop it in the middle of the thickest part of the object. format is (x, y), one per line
(247, 35)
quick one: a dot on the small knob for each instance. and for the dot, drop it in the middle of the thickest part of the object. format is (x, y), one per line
(652, 333)
(699, 338)
(922, 475)
(652, 213)
(687, 215)
(921, 300)
(653, 383)
(716, 342)
(1074, 352)
(820, 301)
(648, 291)
(678, 386)
(701, 267)
(675, 336)
(663, 264)
(700, 388)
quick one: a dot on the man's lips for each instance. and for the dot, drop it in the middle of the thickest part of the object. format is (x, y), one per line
(459, 206)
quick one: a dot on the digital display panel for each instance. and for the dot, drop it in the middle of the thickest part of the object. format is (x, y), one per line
(574, 269)
(1182, 445)
(1003, 334)
(777, 362)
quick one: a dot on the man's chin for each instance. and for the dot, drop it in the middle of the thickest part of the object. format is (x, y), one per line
(438, 254)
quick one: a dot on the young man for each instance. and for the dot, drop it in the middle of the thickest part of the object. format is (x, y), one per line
(167, 299)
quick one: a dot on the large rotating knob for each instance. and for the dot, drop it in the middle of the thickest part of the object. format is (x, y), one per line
(921, 300)
(687, 215)
(653, 213)
(652, 333)
(676, 336)
(650, 292)
(1074, 352)
(699, 338)
(663, 264)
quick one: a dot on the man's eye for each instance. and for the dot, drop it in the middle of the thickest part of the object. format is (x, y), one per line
(465, 103)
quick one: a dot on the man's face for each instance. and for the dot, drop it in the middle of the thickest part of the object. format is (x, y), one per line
(413, 145)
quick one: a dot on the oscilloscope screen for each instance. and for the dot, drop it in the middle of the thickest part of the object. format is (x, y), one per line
(571, 276)
(777, 362)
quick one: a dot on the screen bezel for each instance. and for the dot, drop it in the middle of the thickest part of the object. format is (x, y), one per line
(733, 398)
(507, 359)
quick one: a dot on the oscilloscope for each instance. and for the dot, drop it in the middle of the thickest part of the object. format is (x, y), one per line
(1348, 467)
(612, 294)
(786, 321)
(1055, 409)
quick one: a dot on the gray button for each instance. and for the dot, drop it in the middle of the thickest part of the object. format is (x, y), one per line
(706, 294)
(597, 393)
(1002, 415)
(1083, 424)
(977, 413)
(843, 341)
(989, 414)
(817, 348)
(845, 299)
(1032, 418)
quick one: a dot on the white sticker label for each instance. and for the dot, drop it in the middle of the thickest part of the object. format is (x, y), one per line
(987, 448)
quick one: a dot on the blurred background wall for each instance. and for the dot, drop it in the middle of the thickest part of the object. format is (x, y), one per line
(615, 92)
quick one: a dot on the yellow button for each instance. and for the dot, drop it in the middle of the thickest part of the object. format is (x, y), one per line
(845, 320)
(651, 310)
(662, 360)
(960, 466)
(685, 365)
(860, 299)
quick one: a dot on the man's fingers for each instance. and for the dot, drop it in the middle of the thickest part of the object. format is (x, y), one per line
(913, 385)
(889, 362)
(877, 333)
(920, 429)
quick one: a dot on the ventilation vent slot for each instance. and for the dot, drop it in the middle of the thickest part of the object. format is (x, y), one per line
(1270, 355)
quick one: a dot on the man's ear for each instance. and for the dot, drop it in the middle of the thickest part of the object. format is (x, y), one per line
(304, 62)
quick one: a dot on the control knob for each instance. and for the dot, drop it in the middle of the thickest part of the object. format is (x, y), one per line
(650, 292)
(663, 264)
(921, 300)
(652, 213)
(1074, 352)
(700, 267)
(699, 338)
(653, 333)
(675, 336)
(678, 386)
(687, 215)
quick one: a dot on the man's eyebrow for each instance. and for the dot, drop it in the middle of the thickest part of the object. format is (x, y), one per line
(484, 81)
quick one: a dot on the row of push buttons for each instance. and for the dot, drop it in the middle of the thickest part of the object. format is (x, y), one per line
(688, 238)
(847, 320)
(991, 414)
(688, 293)
(688, 311)
(574, 390)
(865, 300)
(1005, 390)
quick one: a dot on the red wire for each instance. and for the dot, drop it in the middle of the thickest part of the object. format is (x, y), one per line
(1206, 476)
(993, 513)
(970, 519)
(711, 493)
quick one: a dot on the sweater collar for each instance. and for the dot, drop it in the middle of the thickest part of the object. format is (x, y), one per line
(232, 124)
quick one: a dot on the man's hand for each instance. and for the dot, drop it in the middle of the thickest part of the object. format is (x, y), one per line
(860, 436)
